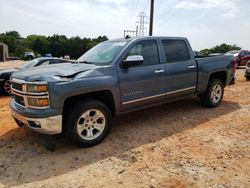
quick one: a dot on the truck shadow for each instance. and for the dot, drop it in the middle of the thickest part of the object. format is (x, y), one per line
(23, 159)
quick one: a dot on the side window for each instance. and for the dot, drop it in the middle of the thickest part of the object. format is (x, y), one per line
(242, 53)
(53, 62)
(148, 50)
(175, 50)
(44, 63)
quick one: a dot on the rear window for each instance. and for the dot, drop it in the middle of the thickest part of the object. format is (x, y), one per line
(175, 50)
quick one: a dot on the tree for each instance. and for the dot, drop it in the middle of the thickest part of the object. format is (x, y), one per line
(223, 48)
(57, 45)
(11, 38)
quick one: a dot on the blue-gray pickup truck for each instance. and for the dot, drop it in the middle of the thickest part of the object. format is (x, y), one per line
(114, 77)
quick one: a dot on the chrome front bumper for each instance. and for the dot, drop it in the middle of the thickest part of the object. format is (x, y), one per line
(50, 125)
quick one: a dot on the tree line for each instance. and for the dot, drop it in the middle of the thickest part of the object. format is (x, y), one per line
(57, 45)
(223, 48)
(60, 45)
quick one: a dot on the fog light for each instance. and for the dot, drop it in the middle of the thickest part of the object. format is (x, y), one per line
(35, 124)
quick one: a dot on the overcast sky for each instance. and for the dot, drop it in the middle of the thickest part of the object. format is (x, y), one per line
(205, 23)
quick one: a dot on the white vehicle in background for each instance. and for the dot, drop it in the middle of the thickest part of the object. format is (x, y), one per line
(29, 55)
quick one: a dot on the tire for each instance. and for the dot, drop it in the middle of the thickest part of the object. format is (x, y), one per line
(87, 122)
(6, 87)
(19, 123)
(214, 94)
(237, 65)
(248, 77)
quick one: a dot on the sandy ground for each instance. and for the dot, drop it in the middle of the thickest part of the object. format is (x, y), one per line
(180, 144)
(11, 64)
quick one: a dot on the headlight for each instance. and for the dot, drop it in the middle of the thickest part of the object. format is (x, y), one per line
(38, 102)
(37, 88)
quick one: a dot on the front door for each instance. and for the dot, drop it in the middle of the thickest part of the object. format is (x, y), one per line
(144, 84)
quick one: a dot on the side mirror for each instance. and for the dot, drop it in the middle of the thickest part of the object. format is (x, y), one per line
(132, 60)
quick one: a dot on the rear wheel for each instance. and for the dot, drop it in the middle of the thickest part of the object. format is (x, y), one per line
(88, 123)
(214, 94)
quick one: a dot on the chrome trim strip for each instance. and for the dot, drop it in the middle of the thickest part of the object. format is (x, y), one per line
(24, 82)
(179, 90)
(27, 95)
(159, 71)
(24, 87)
(144, 98)
(154, 96)
(25, 98)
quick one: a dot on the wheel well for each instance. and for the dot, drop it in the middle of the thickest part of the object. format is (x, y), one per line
(219, 75)
(103, 96)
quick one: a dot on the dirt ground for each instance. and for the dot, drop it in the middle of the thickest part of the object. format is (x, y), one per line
(180, 144)
(11, 64)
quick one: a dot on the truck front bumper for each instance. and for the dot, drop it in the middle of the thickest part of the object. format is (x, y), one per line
(50, 125)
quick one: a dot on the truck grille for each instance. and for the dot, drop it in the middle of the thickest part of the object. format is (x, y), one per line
(17, 86)
(19, 99)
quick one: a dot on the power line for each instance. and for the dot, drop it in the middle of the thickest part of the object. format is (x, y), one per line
(133, 13)
(179, 10)
(158, 5)
(146, 5)
(164, 19)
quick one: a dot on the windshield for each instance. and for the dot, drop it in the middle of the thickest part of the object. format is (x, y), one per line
(29, 64)
(103, 53)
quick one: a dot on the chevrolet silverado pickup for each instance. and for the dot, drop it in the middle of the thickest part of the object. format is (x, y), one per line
(112, 78)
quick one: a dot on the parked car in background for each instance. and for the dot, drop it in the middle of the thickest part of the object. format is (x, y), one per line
(48, 55)
(11, 58)
(241, 57)
(113, 78)
(247, 73)
(29, 55)
(5, 84)
(198, 54)
(215, 54)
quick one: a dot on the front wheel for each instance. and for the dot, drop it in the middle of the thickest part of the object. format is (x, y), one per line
(6, 87)
(88, 123)
(214, 93)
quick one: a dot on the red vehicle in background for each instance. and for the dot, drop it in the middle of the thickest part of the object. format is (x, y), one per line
(241, 57)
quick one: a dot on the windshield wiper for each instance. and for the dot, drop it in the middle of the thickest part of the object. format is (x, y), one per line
(86, 62)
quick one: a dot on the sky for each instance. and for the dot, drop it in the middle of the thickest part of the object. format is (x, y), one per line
(205, 23)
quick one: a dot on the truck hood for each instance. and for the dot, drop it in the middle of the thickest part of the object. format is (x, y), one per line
(43, 72)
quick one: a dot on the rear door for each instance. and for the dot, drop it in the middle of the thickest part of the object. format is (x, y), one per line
(144, 84)
(180, 67)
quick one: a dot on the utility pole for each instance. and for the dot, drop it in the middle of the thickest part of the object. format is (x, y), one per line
(151, 18)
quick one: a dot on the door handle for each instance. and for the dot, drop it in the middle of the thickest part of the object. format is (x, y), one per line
(159, 71)
(191, 66)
